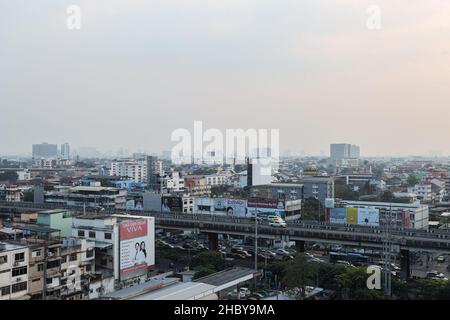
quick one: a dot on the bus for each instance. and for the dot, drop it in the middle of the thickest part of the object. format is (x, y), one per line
(356, 259)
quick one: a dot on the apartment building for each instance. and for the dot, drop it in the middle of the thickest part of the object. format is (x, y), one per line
(172, 182)
(196, 185)
(10, 193)
(423, 192)
(89, 196)
(136, 170)
(216, 179)
(13, 271)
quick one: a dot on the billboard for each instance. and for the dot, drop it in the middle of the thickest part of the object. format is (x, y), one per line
(406, 220)
(137, 246)
(266, 207)
(368, 217)
(352, 215)
(338, 215)
(232, 207)
(136, 203)
(357, 216)
(171, 204)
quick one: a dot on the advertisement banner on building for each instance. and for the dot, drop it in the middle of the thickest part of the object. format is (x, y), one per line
(266, 207)
(137, 246)
(406, 221)
(352, 215)
(135, 204)
(338, 215)
(171, 204)
(266, 203)
(231, 207)
(368, 217)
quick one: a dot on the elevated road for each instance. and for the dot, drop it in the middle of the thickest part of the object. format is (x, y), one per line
(411, 239)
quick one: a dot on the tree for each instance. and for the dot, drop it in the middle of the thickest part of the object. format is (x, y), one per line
(412, 180)
(387, 196)
(353, 285)
(201, 271)
(311, 208)
(207, 262)
(343, 191)
(298, 274)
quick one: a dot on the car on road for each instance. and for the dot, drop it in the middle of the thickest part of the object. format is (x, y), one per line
(436, 275)
(282, 252)
(237, 255)
(256, 296)
(344, 263)
(277, 224)
(395, 267)
(243, 293)
(440, 258)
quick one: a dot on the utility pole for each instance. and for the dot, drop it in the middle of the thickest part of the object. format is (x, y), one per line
(256, 240)
(387, 251)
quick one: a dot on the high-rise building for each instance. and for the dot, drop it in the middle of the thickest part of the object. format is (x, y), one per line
(65, 151)
(44, 151)
(339, 151)
(133, 169)
(354, 151)
(259, 171)
(154, 171)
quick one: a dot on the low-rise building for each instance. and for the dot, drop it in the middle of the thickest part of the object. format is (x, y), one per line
(409, 215)
(89, 196)
(13, 271)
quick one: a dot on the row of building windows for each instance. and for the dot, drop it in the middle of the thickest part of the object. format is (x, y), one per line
(17, 287)
(18, 257)
(92, 234)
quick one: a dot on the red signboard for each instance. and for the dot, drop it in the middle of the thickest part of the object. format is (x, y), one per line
(133, 229)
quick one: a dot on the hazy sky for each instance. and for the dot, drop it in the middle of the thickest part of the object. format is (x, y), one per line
(139, 69)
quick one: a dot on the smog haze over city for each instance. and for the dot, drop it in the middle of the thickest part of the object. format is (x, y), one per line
(137, 70)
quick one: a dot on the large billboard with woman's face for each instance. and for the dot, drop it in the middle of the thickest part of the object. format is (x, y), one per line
(137, 246)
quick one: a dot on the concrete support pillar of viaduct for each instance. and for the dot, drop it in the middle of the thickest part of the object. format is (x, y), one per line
(405, 264)
(213, 241)
(300, 245)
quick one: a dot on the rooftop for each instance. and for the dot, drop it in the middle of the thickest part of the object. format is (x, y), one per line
(7, 246)
(227, 276)
(93, 189)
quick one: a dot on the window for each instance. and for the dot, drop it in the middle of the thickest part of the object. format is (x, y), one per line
(19, 271)
(89, 253)
(91, 234)
(3, 259)
(36, 253)
(73, 257)
(53, 264)
(81, 233)
(19, 257)
(5, 271)
(19, 287)
(108, 236)
(4, 291)
(40, 267)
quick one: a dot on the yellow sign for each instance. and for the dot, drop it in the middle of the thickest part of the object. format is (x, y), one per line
(352, 215)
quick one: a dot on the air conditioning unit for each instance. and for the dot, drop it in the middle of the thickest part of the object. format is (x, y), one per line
(18, 279)
(16, 263)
